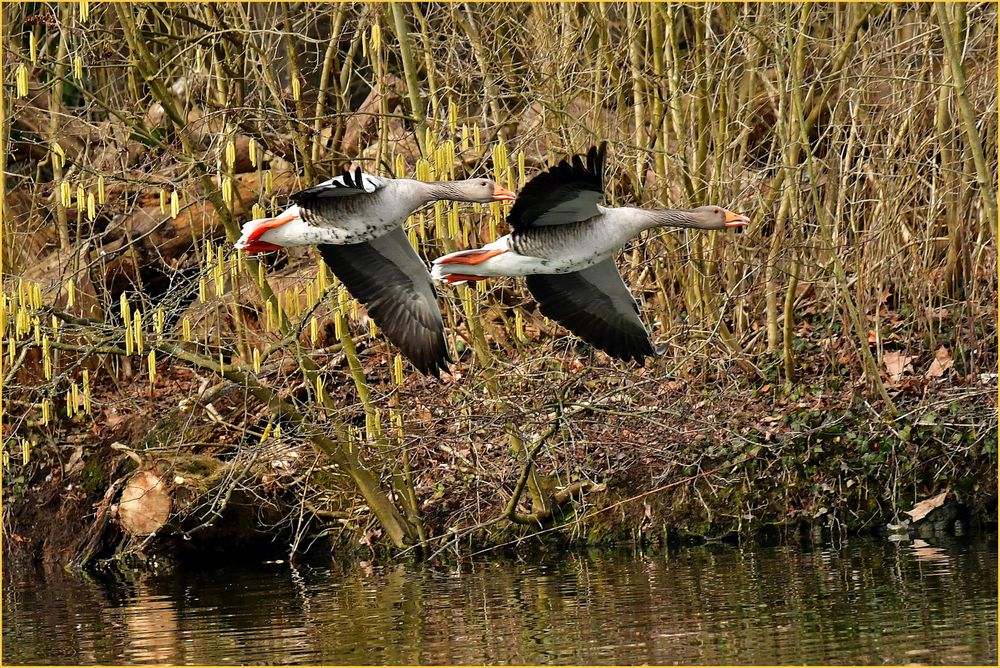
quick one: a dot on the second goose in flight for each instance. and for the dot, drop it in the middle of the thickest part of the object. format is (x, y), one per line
(563, 241)
(355, 221)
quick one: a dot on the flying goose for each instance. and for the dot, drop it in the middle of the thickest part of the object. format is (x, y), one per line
(355, 221)
(563, 241)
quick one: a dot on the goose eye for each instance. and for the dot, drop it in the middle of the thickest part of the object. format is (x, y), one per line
(717, 212)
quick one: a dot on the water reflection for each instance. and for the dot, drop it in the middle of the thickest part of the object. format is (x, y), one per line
(868, 602)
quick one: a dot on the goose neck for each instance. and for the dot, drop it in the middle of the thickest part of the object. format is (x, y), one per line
(649, 218)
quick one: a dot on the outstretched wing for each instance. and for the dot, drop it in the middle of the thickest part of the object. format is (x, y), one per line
(346, 184)
(595, 305)
(566, 193)
(390, 279)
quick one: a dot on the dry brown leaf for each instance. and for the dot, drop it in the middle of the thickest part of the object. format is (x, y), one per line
(942, 362)
(145, 503)
(896, 364)
(921, 510)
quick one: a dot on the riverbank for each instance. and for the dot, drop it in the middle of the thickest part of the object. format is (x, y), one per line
(639, 455)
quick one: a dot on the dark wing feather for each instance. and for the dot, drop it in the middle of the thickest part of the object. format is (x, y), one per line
(566, 193)
(390, 279)
(344, 185)
(595, 305)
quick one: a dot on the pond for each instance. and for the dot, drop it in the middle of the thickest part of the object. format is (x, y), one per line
(864, 601)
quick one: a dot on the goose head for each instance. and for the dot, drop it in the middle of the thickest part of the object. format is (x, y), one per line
(474, 190)
(714, 217)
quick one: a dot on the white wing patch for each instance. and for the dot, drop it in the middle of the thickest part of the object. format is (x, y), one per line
(348, 183)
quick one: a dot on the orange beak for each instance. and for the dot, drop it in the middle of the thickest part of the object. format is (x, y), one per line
(735, 219)
(502, 194)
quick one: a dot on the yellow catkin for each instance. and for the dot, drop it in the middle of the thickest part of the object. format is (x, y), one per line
(231, 147)
(69, 404)
(75, 391)
(12, 349)
(338, 328)
(372, 329)
(32, 47)
(158, 320)
(397, 369)
(55, 327)
(314, 330)
(268, 181)
(186, 328)
(219, 273)
(465, 137)
(59, 155)
(46, 358)
(227, 190)
(22, 322)
(452, 116)
(518, 325)
(78, 68)
(3, 315)
(22, 80)
(66, 193)
(209, 252)
(400, 166)
(269, 316)
(397, 419)
(36, 295)
(256, 211)
(26, 444)
(151, 363)
(100, 189)
(129, 340)
(125, 310)
(175, 204)
(411, 234)
(319, 388)
(376, 38)
(81, 199)
(520, 169)
(202, 290)
(310, 297)
(423, 170)
(321, 279)
(86, 390)
(84, 10)
(493, 217)
(137, 325)
(35, 325)
(296, 88)
(91, 207)
(256, 360)
(252, 148)
(453, 230)
(163, 200)
(45, 411)
(267, 432)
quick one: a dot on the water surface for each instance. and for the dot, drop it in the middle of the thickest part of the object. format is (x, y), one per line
(867, 601)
